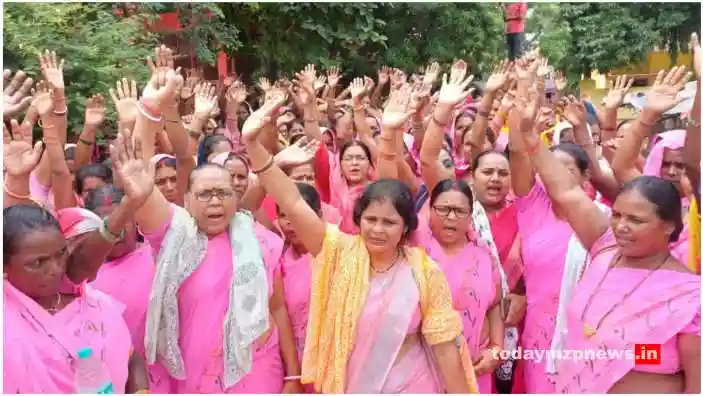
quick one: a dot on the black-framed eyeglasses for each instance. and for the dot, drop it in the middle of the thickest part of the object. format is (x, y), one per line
(207, 195)
(444, 211)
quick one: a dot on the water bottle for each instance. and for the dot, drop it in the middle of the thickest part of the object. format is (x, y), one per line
(92, 375)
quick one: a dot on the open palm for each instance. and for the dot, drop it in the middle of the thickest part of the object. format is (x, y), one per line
(19, 157)
(133, 171)
(663, 94)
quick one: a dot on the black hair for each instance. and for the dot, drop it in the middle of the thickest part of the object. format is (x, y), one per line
(664, 195)
(452, 185)
(310, 196)
(99, 171)
(576, 152)
(99, 197)
(448, 141)
(399, 196)
(237, 157)
(477, 159)
(206, 165)
(166, 162)
(293, 139)
(621, 123)
(70, 153)
(207, 146)
(351, 143)
(20, 220)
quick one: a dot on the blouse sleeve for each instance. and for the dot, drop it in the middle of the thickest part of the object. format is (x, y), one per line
(440, 322)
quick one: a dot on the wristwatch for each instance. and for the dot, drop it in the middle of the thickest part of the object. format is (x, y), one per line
(109, 236)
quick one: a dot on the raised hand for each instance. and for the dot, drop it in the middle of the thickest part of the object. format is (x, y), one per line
(306, 81)
(431, 74)
(95, 111)
(265, 84)
(419, 97)
(521, 119)
(16, 96)
(357, 90)
(333, 76)
(125, 99)
(454, 90)
(616, 95)
(320, 82)
(52, 69)
(397, 111)
(560, 81)
(663, 94)
(236, 93)
(161, 87)
(499, 77)
(19, 157)
(398, 78)
(301, 152)
(134, 172)
(368, 84)
(575, 112)
(43, 101)
(542, 67)
(205, 100)
(696, 48)
(258, 119)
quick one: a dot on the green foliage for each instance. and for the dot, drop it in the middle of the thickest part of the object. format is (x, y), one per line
(580, 37)
(98, 48)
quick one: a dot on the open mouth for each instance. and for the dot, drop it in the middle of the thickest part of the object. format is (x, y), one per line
(215, 216)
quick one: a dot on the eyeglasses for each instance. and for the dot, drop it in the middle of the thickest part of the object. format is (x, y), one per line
(207, 195)
(444, 211)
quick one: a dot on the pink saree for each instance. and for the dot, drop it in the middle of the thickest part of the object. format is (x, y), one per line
(344, 197)
(381, 360)
(505, 235)
(472, 279)
(128, 280)
(665, 305)
(40, 348)
(203, 301)
(544, 244)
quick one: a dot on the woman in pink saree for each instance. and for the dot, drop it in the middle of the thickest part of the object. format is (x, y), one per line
(349, 175)
(223, 269)
(472, 274)
(46, 321)
(296, 272)
(633, 292)
(361, 336)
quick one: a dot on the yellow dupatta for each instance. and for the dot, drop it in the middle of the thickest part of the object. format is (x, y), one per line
(694, 237)
(340, 281)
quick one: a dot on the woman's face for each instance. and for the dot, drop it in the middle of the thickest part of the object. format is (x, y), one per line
(39, 263)
(381, 227)
(492, 180)
(328, 141)
(672, 166)
(355, 165)
(91, 183)
(296, 128)
(221, 147)
(129, 242)
(638, 230)
(289, 233)
(212, 200)
(304, 173)
(450, 218)
(240, 176)
(463, 127)
(167, 182)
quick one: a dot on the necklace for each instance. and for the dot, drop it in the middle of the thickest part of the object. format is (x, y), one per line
(588, 330)
(55, 307)
(386, 270)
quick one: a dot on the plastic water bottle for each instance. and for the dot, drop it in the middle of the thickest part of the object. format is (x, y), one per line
(92, 375)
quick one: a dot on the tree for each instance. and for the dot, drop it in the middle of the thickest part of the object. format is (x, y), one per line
(580, 37)
(99, 48)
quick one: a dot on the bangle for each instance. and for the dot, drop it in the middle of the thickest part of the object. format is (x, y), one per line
(193, 134)
(266, 167)
(153, 112)
(145, 111)
(310, 120)
(86, 142)
(436, 121)
(388, 156)
(173, 121)
(484, 113)
(62, 112)
(534, 149)
(14, 195)
(109, 236)
(292, 378)
(144, 391)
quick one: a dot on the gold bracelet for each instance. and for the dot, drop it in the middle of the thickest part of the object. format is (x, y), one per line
(264, 168)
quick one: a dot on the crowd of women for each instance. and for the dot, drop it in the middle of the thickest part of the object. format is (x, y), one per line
(309, 240)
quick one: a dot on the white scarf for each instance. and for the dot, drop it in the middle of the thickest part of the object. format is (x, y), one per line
(575, 265)
(483, 229)
(181, 253)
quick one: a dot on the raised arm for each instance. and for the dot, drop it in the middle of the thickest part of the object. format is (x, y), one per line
(692, 146)
(453, 92)
(19, 159)
(660, 98)
(587, 221)
(395, 117)
(283, 190)
(496, 82)
(613, 101)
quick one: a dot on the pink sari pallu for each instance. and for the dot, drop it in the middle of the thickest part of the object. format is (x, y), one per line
(387, 315)
(40, 348)
(654, 315)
